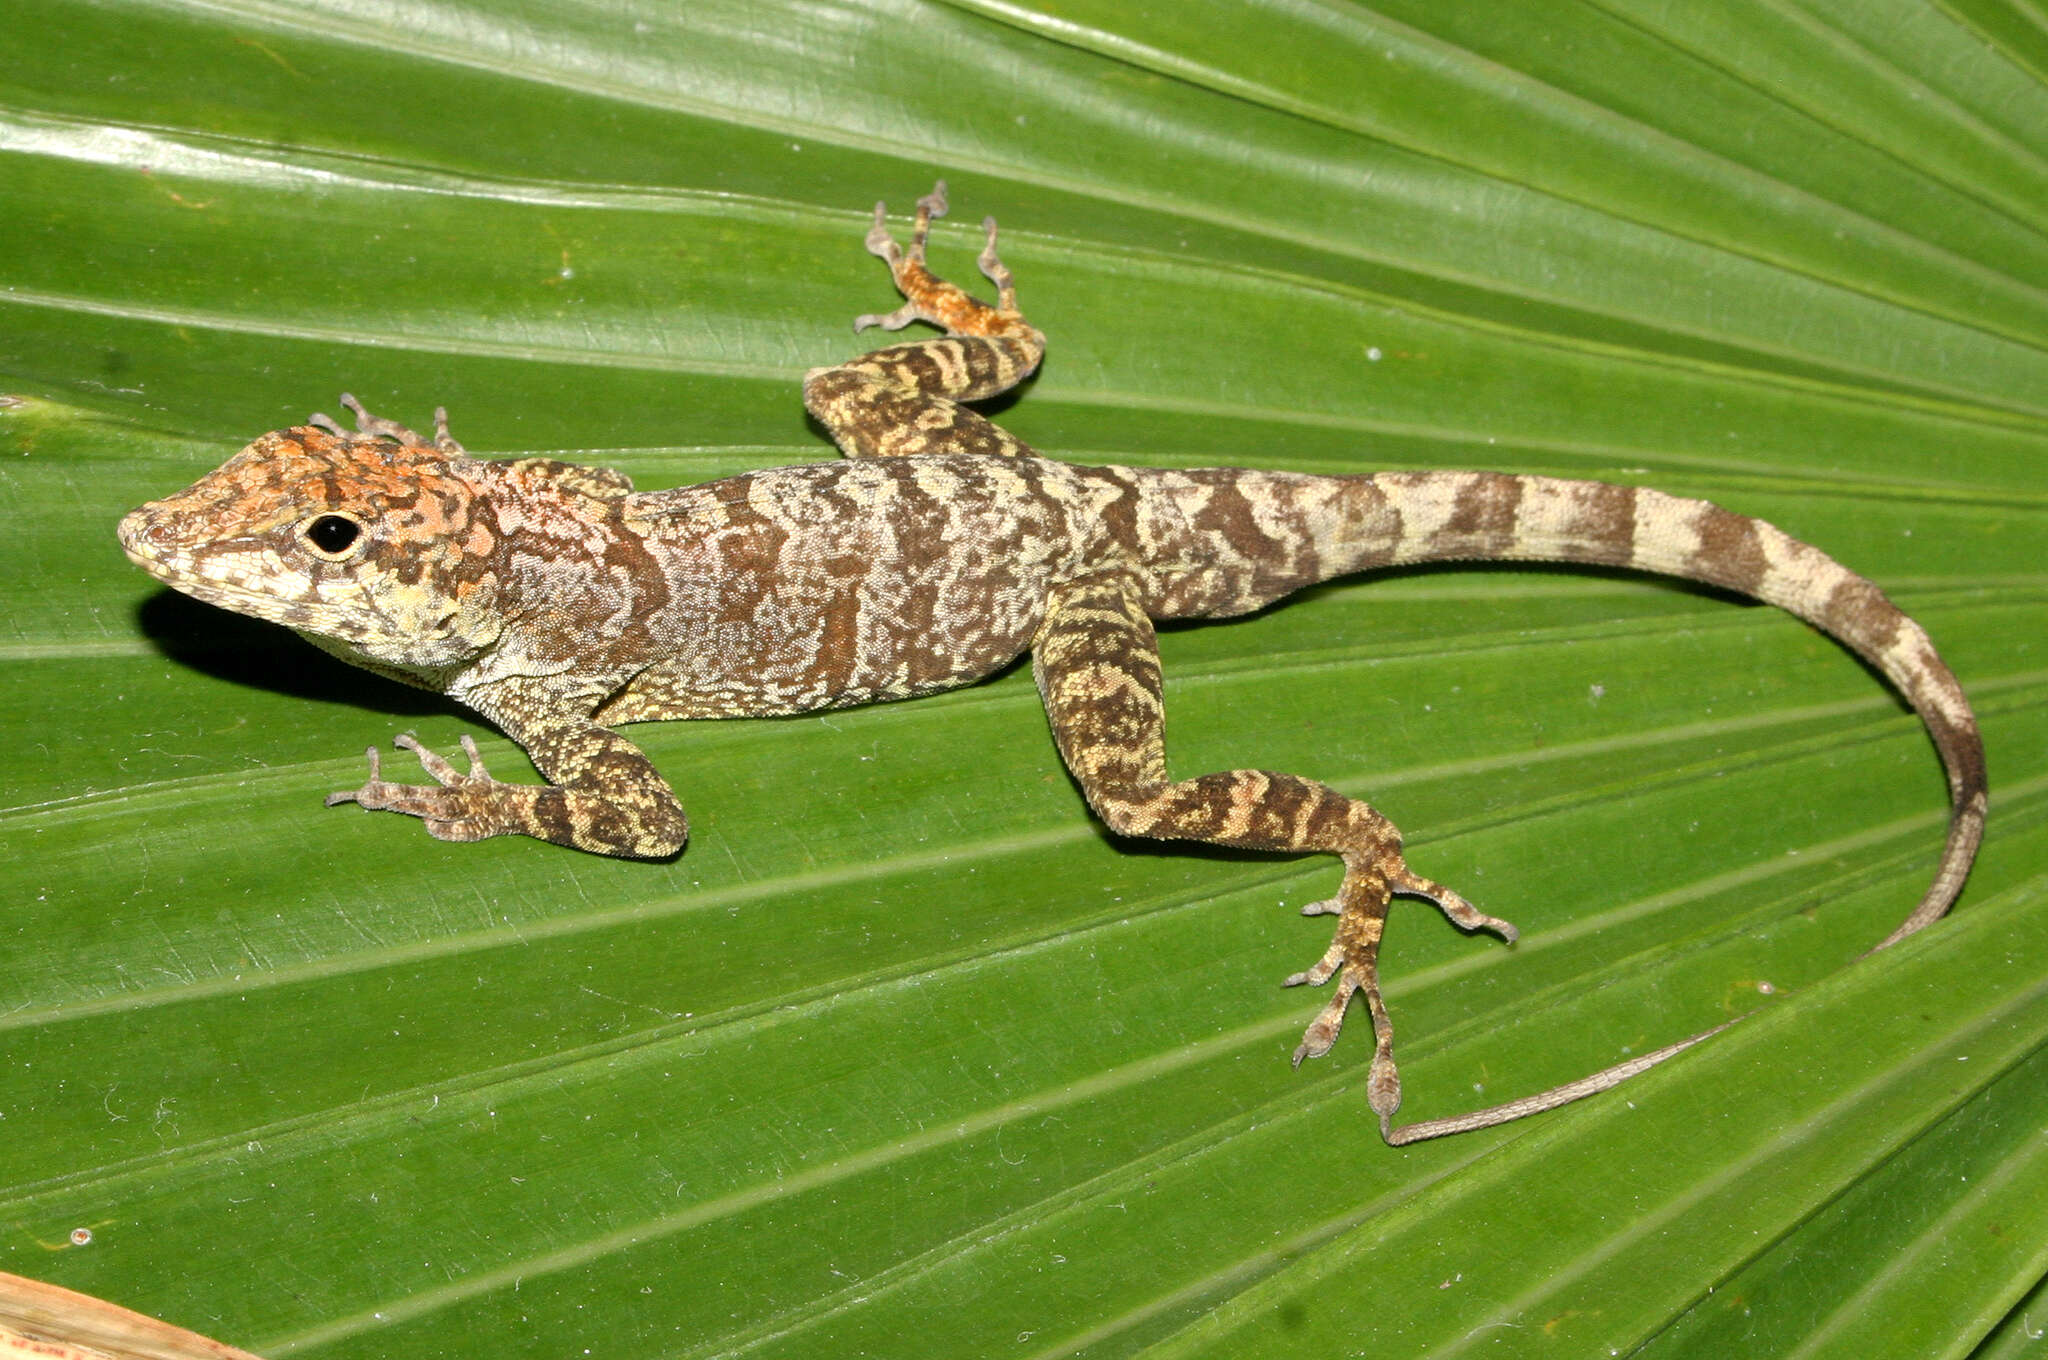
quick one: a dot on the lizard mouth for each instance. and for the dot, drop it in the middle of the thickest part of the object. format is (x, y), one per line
(143, 539)
(211, 579)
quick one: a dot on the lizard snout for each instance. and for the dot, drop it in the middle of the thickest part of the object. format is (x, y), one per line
(141, 534)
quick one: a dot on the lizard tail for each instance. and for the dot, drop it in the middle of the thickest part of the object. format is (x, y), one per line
(1493, 516)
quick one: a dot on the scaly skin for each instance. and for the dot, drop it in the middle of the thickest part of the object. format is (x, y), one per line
(557, 603)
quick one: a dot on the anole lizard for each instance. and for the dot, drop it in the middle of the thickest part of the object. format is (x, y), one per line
(559, 604)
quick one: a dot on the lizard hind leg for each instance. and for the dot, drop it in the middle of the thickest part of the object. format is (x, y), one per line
(1096, 661)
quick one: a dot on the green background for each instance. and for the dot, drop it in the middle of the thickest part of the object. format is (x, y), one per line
(905, 1056)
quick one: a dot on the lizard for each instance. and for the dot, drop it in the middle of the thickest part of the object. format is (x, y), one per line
(559, 604)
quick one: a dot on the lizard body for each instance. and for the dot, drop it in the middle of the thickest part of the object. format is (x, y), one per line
(558, 603)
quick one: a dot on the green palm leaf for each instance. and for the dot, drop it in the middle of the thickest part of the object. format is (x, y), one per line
(905, 1056)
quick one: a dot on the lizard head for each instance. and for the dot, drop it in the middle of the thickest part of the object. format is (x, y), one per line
(385, 548)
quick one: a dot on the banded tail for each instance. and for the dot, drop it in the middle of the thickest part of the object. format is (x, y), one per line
(1494, 517)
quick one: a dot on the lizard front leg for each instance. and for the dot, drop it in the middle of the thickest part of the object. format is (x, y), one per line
(905, 400)
(599, 482)
(603, 795)
(373, 427)
(1097, 665)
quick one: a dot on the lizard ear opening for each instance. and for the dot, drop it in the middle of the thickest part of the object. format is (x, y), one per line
(332, 537)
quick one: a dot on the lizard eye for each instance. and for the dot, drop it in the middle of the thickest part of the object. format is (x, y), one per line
(332, 536)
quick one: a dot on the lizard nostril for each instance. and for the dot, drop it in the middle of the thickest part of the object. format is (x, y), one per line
(146, 532)
(134, 527)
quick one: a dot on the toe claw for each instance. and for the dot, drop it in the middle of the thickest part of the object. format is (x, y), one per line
(363, 793)
(1322, 970)
(1321, 1035)
(879, 241)
(1383, 1092)
(929, 209)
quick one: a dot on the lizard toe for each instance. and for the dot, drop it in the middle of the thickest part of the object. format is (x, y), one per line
(369, 786)
(1461, 912)
(1321, 1035)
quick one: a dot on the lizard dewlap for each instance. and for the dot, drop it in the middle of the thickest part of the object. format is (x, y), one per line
(558, 604)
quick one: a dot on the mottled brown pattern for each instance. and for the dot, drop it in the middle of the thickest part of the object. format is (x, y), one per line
(1485, 514)
(1729, 552)
(557, 603)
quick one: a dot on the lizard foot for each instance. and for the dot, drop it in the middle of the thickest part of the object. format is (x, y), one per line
(1353, 960)
(880, 243)
(929, 298)
(370, 426)
(458, 807)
